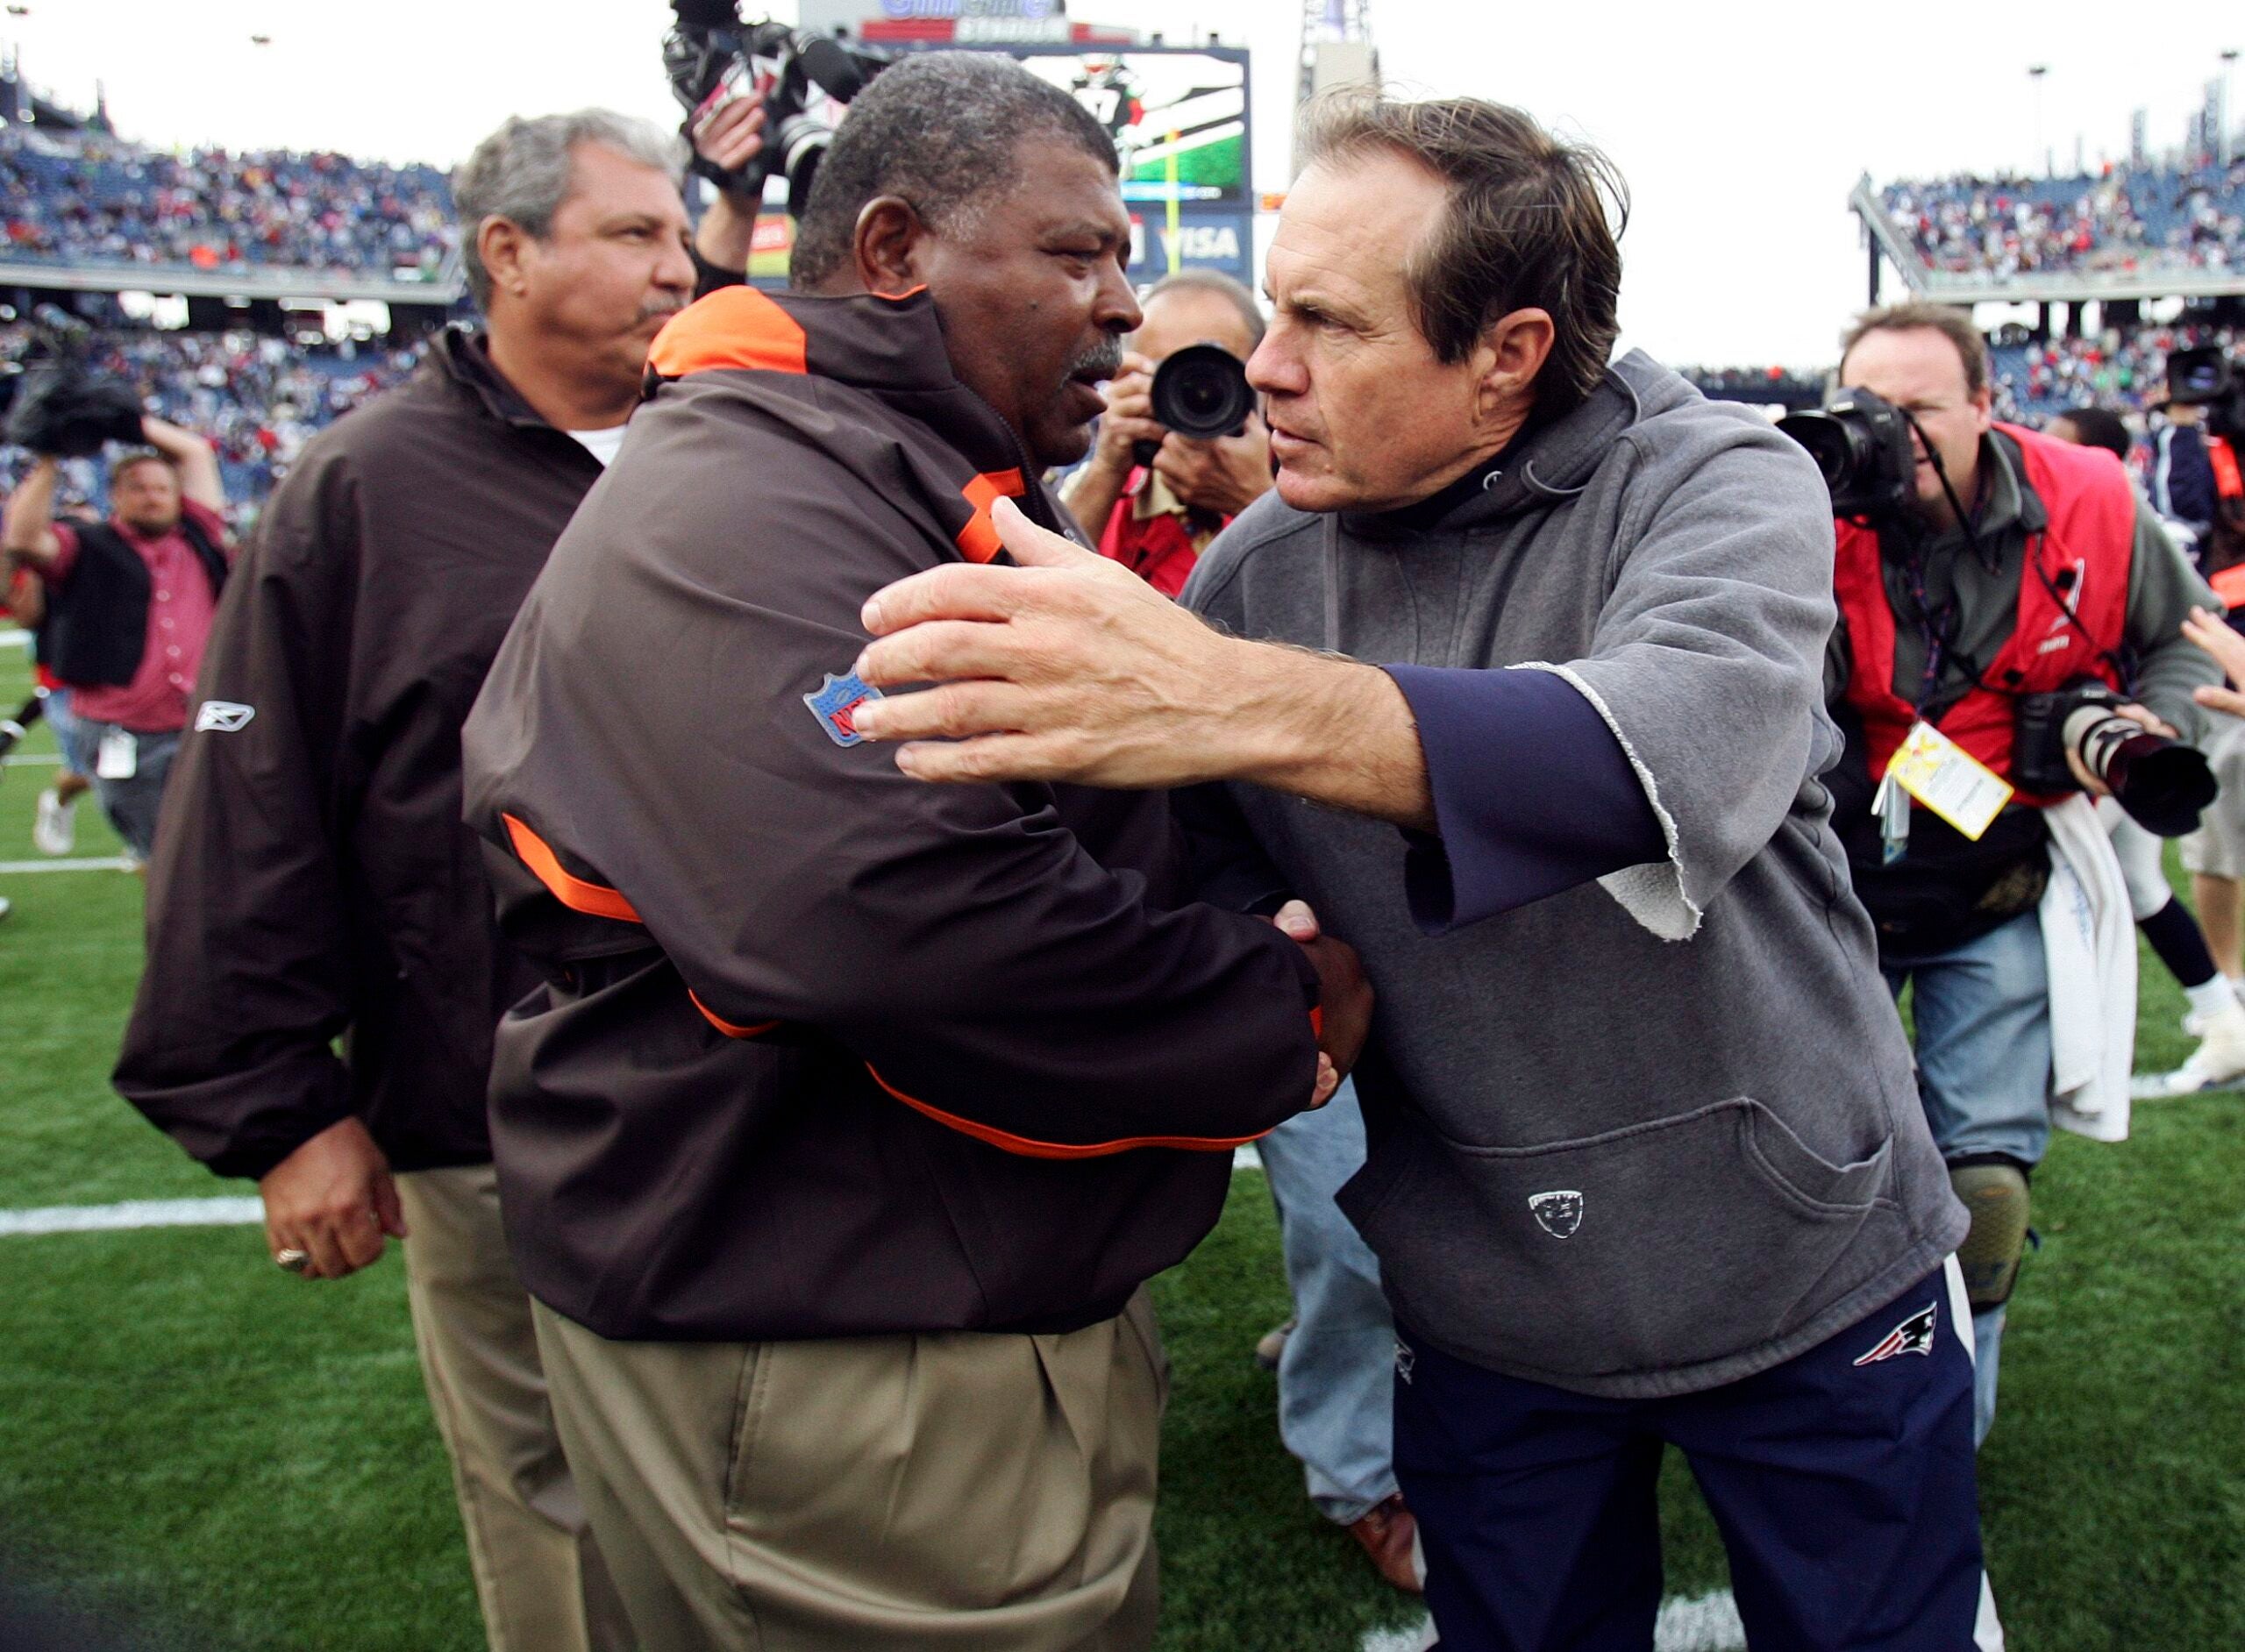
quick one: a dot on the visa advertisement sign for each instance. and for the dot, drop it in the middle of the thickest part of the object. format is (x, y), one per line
(1204, 239)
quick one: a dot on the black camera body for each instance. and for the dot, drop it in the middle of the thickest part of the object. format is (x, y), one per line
(1862, 444)
(1200, 391)
(2161, 783)
(56, 404)
(711, 57)
(2204, 377)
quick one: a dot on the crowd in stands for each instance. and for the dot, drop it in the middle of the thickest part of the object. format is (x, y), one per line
(2128, 219)
(2112, 369)
(90, 197)
(258, 400)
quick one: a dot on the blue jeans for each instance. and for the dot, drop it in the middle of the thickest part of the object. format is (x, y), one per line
(131, 804)
(1983, 1014)
(1337, 1379)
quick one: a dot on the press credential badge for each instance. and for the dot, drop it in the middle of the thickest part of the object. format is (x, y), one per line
(1947, 780)
(118, 755)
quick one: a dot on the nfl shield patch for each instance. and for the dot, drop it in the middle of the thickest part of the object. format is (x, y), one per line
(835, 702)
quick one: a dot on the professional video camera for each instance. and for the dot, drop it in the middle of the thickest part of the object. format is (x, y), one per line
(2204, 377)
(1200, 391)
(712, 58)
(55, 402)
(1862, 444)
(2161, 783)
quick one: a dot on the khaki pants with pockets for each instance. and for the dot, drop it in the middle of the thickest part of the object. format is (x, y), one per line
(538, 1576)
(875, 1493)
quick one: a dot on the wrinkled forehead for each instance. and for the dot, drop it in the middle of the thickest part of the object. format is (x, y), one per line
(1908, 366)
(1350, 227)
(1058, 190)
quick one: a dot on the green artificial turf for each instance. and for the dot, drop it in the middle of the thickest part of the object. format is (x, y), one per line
(217, 1447)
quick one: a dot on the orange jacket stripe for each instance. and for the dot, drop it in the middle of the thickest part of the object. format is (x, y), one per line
(1026, 1148)
(726, 1026)
(733, 327)
(571, 891)
(978, 541)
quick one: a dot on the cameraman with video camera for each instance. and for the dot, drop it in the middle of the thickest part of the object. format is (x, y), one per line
(129, 600)
(1151, 496)
(2009, 636)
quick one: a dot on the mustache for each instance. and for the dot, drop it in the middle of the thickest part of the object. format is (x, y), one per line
(653, 308)
(1102, 361)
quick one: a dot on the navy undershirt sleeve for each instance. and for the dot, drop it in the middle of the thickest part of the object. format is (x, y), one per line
(1532, 795)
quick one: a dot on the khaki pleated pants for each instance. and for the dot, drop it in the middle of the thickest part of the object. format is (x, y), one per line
(872, 1494)
(538, 1574)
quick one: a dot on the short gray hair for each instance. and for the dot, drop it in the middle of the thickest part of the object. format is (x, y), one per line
(522, 172)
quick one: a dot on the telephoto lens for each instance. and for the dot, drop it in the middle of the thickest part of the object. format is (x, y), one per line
(1200, 391)
(2162, 785)
(1861, 443)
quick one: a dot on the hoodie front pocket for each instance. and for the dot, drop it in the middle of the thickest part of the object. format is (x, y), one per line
(1654, 1247)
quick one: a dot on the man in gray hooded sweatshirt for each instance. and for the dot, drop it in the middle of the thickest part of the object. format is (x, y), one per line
(1646, 1163)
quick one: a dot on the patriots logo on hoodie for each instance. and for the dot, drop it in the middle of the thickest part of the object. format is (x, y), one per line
(1913, 1335)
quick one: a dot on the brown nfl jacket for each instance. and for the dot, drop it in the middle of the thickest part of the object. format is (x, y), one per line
(822, 1050)
(312, 881)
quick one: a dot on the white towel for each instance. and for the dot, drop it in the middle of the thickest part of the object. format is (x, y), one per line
(2089, 941)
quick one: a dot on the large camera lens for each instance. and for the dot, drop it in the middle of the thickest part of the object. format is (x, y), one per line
(2162, 784)
(1202, 391)
(1862, 444)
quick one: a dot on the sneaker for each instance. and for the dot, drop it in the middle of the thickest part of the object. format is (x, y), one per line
(55, 830)
(1390, 1535)
(1271, 1347)
(2217, 1063)
(6, 906)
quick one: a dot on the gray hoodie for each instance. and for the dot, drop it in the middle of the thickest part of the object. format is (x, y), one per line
(1658, 1132)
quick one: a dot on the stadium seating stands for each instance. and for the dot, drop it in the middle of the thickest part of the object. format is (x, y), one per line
(258, 400)
(87, 198)
(2128, 219)
(2115, 370)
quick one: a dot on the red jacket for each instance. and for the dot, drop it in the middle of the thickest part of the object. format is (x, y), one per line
(2084, 556)
(1162, 548)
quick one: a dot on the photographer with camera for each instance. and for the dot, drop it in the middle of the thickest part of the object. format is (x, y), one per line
(129, 604)
(2009, 639)
(1150, 496)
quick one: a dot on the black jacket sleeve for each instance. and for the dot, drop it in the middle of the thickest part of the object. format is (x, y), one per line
(649, 717)
(231, 1045)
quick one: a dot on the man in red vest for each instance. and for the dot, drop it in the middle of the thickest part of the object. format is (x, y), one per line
(1155, 519)
(2023, 565)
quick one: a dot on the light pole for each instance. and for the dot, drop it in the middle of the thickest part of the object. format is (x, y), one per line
(2034, 74)
(2221, 140)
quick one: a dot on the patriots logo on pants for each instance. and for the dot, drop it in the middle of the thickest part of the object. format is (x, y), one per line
(1913, 1335)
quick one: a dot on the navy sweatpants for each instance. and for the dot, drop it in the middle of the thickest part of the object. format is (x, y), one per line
(1842, 1481)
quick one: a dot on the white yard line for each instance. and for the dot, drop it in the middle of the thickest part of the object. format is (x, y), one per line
(14, 640)
(107, 863)
(1245, 1158)
(47, 758)
(134, 1212)
(1707, 1624)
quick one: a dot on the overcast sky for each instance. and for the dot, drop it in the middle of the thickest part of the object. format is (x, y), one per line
(1739, 127)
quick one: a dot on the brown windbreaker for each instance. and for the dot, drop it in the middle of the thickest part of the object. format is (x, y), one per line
(823, 1051)
(312, 880)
